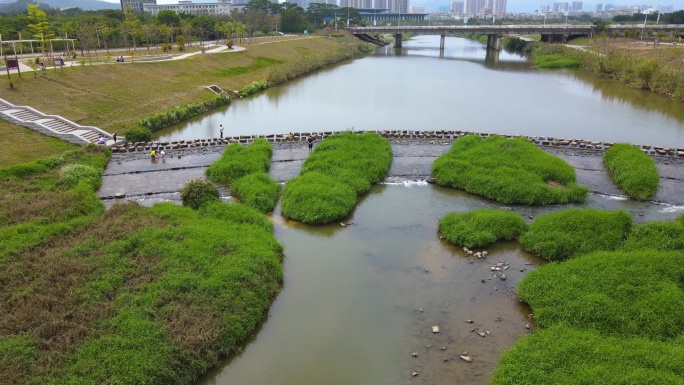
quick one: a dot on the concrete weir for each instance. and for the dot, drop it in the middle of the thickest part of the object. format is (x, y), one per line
(132, 175)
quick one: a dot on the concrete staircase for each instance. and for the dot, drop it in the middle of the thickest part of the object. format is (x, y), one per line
(53, 125)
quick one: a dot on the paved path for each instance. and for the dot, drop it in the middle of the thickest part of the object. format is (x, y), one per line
(145, 180)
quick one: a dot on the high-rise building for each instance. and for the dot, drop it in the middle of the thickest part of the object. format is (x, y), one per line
(356, 3)
(398, 6)
(497, 7)
(457, 7)
(576, 6)
(135, 5)
(380, 4)
(608, 7)
(544, 8)
(599, 7)
(561, 6)
(473, 7)
(417, 9)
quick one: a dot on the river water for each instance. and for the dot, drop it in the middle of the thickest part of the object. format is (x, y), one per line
(360, 301)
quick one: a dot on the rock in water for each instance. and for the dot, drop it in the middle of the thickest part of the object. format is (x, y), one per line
(435, 329)
(467, 358)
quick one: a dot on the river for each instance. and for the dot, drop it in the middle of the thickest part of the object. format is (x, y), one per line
(359, 302)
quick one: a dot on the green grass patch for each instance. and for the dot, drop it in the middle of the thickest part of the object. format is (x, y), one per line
(510, 171)
(176, 114)
(566, 356)
(556, 61)
(32, 192)
(257, 64)
(245, 170)
(479, 228)
(21, 145)
(570, 233)
(239, 160)
(624, 294)
(340, 169)
(632, 170)
(665, 235)
(258, 191)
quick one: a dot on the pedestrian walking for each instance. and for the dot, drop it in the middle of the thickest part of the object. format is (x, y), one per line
(310, 140)
(114, 137)
(221, 131)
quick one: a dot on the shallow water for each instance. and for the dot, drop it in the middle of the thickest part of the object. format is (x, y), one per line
(349, 312)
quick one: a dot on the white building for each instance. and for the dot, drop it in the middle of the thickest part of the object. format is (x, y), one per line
(222, 7)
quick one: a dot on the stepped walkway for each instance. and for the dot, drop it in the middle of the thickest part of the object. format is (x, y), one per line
(53, 125)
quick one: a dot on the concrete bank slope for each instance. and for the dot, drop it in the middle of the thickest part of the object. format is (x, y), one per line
(148, 181)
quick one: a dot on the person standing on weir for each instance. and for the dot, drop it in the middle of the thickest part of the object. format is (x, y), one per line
(221, 131)
(309, 141)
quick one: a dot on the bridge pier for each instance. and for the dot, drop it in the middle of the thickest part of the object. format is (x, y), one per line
(397, 40)
(441, 43)
(494, 42)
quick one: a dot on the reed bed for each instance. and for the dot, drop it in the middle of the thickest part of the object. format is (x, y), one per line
(632, 170)
(570, 233)
(510, 171)
(340, 169)
(480, 228)
(244, 170)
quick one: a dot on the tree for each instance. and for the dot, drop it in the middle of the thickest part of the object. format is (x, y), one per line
(40, 28)
(168, 17)
(180, 42)
(627, 33)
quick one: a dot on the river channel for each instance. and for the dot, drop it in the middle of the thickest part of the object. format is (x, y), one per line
(359, 302)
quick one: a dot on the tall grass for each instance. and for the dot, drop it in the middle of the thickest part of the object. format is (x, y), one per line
(303, 65)
(510, 171)
(661, 235)
(244, 169)
(340, 169)
(209, 283)
(175, 114)
(568, 356)
(570, 233)
(49, 198)
(632, 170)
(556, 61)
(624, 294)
(479, 228)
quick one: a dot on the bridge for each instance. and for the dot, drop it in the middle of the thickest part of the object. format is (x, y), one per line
(549, 32)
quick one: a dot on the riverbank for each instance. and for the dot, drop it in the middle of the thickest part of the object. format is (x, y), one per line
(115, 97)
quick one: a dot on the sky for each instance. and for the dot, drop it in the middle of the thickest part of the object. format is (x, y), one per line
(515, 6)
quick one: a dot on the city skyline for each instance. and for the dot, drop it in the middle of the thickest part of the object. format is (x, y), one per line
(512, 6)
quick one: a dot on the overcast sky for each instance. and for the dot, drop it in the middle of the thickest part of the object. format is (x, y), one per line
(516, 6)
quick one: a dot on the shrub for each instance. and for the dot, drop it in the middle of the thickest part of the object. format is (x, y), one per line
(556, 61)
(73, 174)
(626, 294)
(510, 171)
(343, 166)
(178, 113)
(567, 356)
(479, 228)
(253, 88)
(632, 170)
(569, 233)
(257, 190)
(656, 235)
(238, 161)
(198, 192)
(141, 134)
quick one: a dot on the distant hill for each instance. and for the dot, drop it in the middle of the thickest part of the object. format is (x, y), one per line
(86, 5)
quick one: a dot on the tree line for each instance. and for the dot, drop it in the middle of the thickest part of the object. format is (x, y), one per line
(105, 29)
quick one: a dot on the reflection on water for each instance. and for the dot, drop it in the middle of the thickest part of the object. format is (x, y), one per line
(468, 89)
(358, 300)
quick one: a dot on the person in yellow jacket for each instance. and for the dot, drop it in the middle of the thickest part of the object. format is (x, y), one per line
(153, 154)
